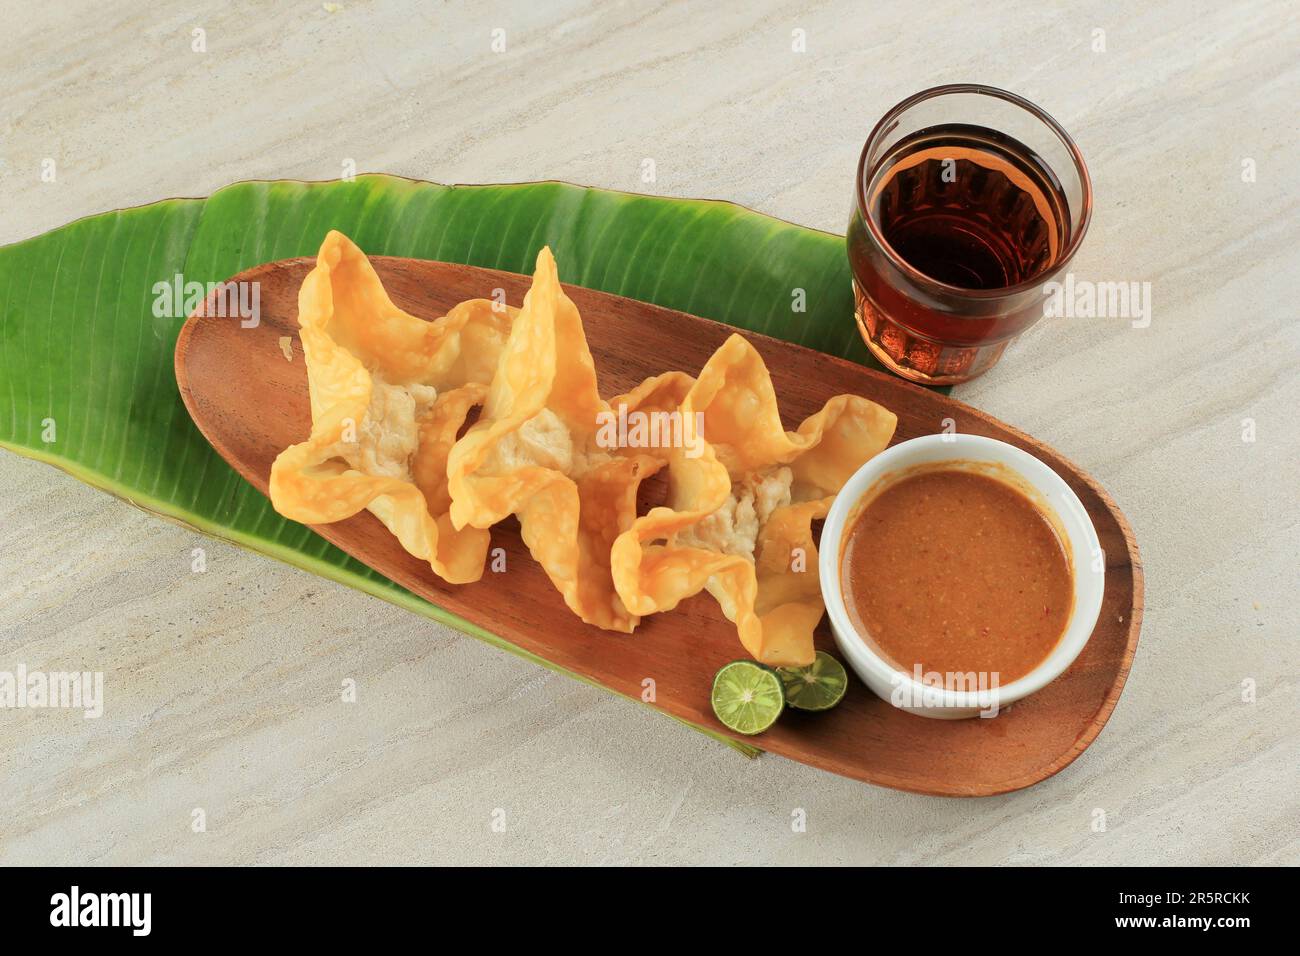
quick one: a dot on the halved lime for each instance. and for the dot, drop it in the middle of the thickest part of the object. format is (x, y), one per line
(819, 686)
(747, 697)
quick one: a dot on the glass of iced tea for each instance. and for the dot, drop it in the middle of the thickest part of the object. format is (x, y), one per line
(968, 199)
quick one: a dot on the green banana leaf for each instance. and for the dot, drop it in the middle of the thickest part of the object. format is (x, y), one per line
(86, 380)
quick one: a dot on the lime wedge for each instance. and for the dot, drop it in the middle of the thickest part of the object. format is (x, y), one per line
(819, 686)
(747, 697)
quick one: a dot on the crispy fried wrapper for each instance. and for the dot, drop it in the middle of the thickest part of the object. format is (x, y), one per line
(536, 452)
(389, 393)
(738, 521)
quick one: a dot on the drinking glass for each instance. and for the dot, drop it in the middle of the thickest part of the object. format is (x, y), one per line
(968, 199)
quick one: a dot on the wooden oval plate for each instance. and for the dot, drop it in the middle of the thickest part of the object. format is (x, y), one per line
(864, 738)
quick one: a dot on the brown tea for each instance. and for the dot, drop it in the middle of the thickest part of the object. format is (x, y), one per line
(970, 207)
(967, 207)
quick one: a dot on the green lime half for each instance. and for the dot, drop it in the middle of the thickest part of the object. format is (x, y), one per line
(819, 686)
(747, 697)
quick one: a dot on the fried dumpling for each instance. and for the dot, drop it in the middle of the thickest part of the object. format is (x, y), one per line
(389, 393)
(738, 521)
(536, 452)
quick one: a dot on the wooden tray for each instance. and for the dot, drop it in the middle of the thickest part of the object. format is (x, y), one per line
(250, 404)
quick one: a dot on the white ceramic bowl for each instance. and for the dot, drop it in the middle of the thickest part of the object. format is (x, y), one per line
(1054, 498)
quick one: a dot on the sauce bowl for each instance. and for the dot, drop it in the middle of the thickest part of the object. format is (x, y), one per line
(1050, 494)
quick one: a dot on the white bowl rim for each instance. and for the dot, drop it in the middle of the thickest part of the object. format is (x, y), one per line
(1089, 574)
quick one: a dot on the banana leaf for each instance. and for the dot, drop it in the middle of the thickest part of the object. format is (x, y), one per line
(86, 379)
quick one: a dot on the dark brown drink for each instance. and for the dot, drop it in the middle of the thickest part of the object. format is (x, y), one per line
(955, 227)
(971, 207)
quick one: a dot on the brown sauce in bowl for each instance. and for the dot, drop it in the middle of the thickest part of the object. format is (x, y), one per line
(955, 572)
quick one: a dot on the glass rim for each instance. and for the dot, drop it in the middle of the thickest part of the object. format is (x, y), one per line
(926, 281)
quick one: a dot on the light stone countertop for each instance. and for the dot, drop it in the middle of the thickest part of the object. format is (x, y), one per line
(222, 687)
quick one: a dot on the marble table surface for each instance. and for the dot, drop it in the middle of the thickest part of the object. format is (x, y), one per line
(223, 704)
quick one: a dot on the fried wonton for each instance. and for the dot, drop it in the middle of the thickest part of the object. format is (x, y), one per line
(537, 452)
(738, 521)
(389, 393)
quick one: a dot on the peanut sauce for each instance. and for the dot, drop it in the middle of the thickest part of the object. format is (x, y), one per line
(955, 571)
